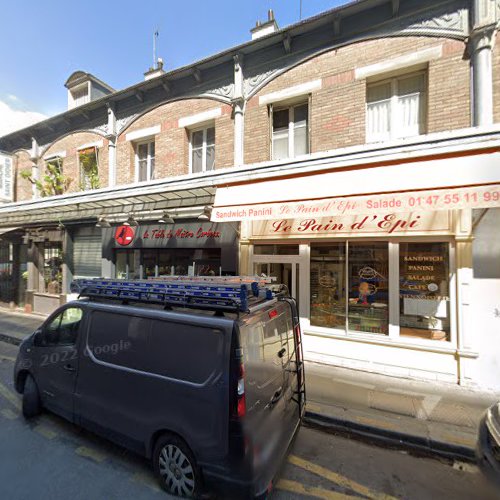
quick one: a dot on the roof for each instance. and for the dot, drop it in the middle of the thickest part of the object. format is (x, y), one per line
(320, 22)
(79, 77)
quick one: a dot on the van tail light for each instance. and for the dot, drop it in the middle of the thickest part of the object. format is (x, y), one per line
(241, 407)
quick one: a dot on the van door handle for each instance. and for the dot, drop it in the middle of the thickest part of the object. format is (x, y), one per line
(281, 352)
(276, 396)
(69, 368)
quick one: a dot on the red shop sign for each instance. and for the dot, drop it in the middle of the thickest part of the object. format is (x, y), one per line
(124, 235)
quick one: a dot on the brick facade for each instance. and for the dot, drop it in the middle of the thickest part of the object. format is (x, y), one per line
(337, 113)
(172, 143)
(70, 145)
(338, 108)
(22, 187)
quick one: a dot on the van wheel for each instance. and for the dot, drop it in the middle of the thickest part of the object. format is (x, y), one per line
(176, 467)
(31, 398)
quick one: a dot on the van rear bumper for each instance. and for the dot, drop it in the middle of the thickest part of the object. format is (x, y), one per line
(256, 488)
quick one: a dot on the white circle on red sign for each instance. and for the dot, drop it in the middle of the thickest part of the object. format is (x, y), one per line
(124, 235)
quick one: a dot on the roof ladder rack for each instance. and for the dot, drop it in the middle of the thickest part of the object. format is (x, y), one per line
(214, 294)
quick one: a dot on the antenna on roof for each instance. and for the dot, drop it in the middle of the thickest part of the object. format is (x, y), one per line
(156, 34)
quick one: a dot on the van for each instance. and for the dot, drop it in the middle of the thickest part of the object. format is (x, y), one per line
(205, 378)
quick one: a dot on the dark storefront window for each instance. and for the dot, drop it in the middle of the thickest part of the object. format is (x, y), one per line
(424, 294)
(6, 272)
(125, 265)
(52, 268)
(168, 262)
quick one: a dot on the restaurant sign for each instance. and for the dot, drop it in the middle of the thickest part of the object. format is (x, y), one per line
(387, 223)
(415, 201)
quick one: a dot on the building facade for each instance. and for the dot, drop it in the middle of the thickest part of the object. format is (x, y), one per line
(354, 156)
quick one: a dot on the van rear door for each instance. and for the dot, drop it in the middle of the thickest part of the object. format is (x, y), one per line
(272, 413)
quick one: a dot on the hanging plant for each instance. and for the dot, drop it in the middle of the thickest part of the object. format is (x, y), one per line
(53, 182)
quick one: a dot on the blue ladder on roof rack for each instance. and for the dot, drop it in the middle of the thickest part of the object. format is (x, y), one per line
(223, 295)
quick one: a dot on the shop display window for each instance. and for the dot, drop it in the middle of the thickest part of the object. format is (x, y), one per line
(328, 297)
(368, 273)
(424, 294)
(125, 267)
(52, 269)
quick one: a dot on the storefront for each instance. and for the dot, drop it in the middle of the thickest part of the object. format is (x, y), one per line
(380, 260)
(379, 280)
(184, 248)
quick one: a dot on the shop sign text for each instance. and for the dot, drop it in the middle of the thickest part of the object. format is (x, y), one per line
(182, 233)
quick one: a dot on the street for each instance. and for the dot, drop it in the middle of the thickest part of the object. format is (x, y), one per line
(51, 458)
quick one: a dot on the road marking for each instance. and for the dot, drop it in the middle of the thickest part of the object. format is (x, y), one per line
(8, 413)
(147, 480)
(46, 432)
(10, 396)
(312, 491)
(336, 478)
(8, 358)
(91, 453)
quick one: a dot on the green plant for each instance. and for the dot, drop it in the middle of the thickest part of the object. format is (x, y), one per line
(53, 182)
(90, 171)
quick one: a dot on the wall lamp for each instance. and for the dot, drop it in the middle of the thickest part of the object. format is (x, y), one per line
(166, 218)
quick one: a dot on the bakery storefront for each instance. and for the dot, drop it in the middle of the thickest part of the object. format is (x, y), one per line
(185, 248)
(382, 281)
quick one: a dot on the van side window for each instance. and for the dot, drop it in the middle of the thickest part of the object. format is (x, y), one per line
(63, 329)
(119, 339)
(174, 350)
(185, 352)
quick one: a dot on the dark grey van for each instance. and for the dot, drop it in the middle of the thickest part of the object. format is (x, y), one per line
(213, 392)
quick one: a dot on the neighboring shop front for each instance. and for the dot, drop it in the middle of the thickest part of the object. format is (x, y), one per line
(184, 248)
(375, 291)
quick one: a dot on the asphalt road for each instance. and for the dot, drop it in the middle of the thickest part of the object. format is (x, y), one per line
(49, 458)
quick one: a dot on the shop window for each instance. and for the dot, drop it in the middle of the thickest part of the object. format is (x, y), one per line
(6, 272)
(180, 262)
(290, 131)
(52, 269)
(202, 150)
(350, 292)
(395, 108)
(89, 168)
(367, 277)
(125, 267)
(424, 290)
(145, 161)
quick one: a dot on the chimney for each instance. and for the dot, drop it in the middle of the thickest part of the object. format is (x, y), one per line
(154, 72)
(265, 28)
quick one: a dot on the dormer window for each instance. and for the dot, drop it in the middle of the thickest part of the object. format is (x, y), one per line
(80, 95)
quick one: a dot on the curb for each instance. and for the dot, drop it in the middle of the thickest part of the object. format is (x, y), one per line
(9, 339)
(395, 439)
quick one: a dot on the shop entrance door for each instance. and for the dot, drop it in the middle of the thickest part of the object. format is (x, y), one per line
(282, 267)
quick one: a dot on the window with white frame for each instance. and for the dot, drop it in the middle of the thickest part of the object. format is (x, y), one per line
(145, 161)
(5, 178)
(395, 107)
(202, 150)
(290, 131)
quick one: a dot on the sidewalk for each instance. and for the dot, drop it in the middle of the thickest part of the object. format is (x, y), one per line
(429, 417)
(16, 325)
(433, 418)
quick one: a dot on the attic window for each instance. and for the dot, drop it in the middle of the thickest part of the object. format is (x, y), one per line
(80, 95)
